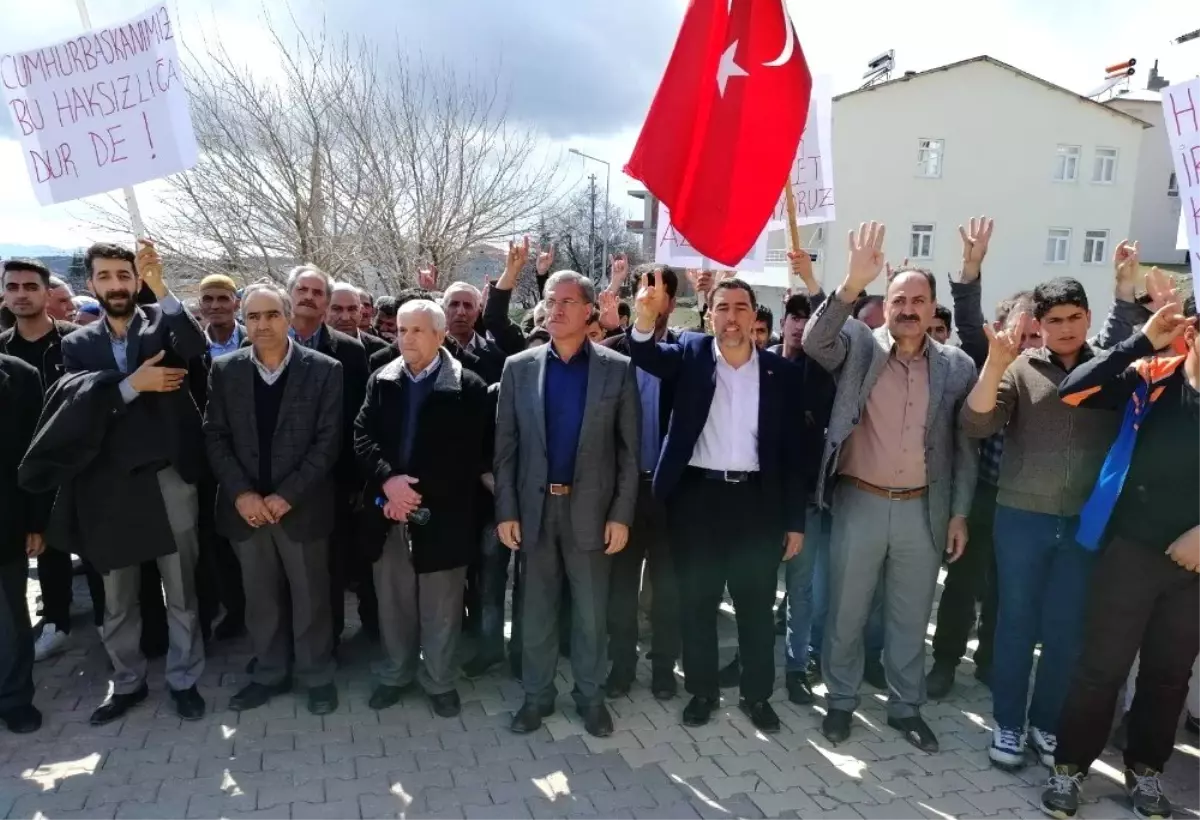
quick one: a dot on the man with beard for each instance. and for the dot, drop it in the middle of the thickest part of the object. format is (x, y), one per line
(462, 303)
(154, 420)
(273, 429)
(345, 314)
(310, 289)
(733, 484)
(907, 475)
(36, 339)
(384, 324)
(59, 304)
(367, 315)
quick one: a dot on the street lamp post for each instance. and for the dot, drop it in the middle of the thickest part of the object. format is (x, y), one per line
(607, 206)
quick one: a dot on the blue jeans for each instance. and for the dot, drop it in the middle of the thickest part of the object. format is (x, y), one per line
(816, 534)
(1042, 580)
(798, 578)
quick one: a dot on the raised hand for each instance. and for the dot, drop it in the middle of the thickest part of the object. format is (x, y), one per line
(1126, 269)
(975, 239)
(652, 301)
(150, 268)
(702, 281)
(1004, 346)
(801, 264)
(618, 271)
(545, 258)
(1166, 325)
(427, 277)
(866, 259)
(610, 319)
(151, 378)
(1160, 289)
(514, 263)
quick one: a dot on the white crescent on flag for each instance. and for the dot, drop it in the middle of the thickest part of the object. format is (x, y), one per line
(789, 44)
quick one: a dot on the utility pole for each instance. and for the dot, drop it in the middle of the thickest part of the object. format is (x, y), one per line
(592, 230)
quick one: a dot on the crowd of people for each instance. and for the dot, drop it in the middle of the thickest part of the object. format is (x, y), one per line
(240, 468)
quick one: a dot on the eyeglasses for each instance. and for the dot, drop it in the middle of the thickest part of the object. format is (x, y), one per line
(565, 304)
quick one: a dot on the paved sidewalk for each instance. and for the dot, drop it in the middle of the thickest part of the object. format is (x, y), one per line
(281, 762)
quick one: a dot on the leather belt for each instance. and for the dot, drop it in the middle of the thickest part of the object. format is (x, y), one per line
(727, 476)
(558, 489)
(884, 492)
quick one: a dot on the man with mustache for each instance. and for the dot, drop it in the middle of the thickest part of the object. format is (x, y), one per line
(367, 314)
(310, 289)
(59, 303)
(905, 476)
(462, 303)
(146, 347)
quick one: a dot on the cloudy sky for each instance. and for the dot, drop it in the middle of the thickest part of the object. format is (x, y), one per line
(583, 71)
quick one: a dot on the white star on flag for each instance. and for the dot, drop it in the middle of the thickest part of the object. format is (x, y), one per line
(729, 68)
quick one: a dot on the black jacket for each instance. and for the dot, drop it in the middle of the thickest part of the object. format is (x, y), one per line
(372, 344)
(304, 448)
(353, 357)
(509, 338)
(51, 367)
(20, 405)
(172, 419)
(102, 456)
(453, 449)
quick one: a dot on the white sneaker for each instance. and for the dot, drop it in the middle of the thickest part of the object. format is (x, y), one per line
(1008, 748)
(49, 643)
(1045, 744)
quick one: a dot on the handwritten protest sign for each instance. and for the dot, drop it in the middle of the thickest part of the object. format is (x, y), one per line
(1181, 112)
(102, 110)
(672, 248)
(812, 170)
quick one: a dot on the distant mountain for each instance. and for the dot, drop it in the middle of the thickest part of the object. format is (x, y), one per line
(9, 251)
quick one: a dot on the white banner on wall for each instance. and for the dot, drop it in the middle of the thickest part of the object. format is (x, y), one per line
(812, 170)
(672, 248)
(103, 110)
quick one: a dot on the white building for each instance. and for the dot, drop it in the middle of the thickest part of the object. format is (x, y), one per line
(925, 152)
(1156, 206)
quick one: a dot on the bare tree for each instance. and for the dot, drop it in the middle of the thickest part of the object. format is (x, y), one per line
(578, 245)
(363, 164)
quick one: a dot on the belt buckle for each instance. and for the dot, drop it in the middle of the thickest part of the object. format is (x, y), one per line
(558, 489)
(733, 476)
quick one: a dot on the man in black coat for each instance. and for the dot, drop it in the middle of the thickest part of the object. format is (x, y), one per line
(423, 441)
(345, 314)
(273, 431)
(152, 346)
(36, 339)
(22, 528)
(462, 303)
(310, 289)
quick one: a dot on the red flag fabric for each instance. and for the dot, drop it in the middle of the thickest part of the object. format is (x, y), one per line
(721, 135)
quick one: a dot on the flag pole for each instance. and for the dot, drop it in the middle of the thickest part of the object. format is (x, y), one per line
(131, 203)
(792, 224)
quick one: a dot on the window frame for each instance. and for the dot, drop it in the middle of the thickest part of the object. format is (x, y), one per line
(1066, 257)
(931, 234)
(1059, 154)
(923, 153)
(1096, 158)
(1088, 239)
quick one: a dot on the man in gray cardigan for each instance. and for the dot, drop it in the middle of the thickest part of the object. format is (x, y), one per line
(900, 473)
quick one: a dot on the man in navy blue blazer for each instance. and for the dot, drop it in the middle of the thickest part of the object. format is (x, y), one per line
(732, 478)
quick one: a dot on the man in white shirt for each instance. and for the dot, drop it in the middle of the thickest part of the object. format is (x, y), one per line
(731, 476)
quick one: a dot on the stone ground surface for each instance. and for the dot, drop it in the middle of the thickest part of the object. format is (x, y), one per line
(281, 762)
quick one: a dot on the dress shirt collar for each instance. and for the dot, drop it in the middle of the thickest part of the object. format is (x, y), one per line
(134, 321)
(234, 341)
(477, 342)
(719, 357)
(428, 371)
(312, 342)
(271, 376)
(924, 351)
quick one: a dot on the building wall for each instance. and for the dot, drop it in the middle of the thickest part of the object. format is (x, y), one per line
(1155, 213)
(1001, 131)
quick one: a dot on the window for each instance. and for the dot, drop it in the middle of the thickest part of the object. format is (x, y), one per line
(1173, 185)
(1058, 246)
(1105, 169)
(920, 245)
(1066, 163)
(1095, 247)
(929, 157)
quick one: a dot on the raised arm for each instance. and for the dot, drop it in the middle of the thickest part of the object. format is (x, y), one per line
(824, 338)
(659, 359)
(507, 334)
(967, 291)
(993, 400)
(1125, 313)
(187, 339)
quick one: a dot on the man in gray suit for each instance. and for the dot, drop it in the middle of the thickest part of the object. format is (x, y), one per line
(273, 429)
(905, 476)
(566, 472)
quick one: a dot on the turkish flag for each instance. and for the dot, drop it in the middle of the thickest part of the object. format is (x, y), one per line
(721, 135)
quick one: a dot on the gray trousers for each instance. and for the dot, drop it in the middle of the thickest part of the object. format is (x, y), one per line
(874, 539)
(270, 560)
(587, 573)
(419, 614)
(122, 629)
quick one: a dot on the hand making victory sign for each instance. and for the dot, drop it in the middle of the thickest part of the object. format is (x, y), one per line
(975, 240)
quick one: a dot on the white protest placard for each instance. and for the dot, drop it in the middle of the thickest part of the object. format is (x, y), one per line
(101, 111)
(812, 170)
(672, 248)
(1181, 113)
